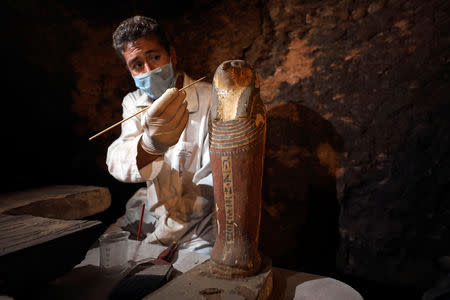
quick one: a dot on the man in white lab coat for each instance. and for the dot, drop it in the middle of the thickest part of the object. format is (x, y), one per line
(166, 146)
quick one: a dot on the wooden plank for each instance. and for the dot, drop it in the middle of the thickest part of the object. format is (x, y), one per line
(59, 201)
(36, 250)
(19, 232)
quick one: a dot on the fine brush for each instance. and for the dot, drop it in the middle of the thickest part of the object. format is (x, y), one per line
(142, 110)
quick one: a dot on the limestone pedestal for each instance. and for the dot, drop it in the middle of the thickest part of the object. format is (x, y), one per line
(200, 283)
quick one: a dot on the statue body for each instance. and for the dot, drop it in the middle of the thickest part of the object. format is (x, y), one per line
(237, 140)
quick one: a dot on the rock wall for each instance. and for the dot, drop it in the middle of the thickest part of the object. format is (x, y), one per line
(357, 162)
(357, 96)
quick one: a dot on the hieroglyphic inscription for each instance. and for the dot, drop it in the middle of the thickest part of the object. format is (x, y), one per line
(228, 198)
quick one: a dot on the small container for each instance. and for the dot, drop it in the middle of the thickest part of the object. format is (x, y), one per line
(114, 251)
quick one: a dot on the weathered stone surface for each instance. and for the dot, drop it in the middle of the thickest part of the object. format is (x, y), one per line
(60, 202)
(200, 283)
(301, 160)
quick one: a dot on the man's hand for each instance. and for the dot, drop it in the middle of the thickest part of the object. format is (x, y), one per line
(164, 122)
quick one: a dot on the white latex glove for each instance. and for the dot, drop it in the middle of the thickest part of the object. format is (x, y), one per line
(164, 122)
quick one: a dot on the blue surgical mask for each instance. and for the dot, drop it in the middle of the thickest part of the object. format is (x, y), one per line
(157, 81)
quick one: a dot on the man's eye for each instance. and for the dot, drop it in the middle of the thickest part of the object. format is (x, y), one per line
(156, 57)
(137, 66)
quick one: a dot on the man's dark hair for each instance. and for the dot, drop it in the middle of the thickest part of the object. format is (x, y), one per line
(136, 27)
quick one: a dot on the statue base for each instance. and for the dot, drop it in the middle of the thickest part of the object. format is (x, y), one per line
(200, 283)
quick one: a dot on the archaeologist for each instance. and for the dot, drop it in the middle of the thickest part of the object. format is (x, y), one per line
(166, 146)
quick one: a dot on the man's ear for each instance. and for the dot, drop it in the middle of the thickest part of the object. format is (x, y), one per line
(173, 56)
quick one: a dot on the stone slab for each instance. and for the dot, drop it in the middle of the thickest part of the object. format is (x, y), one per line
(199, 283)
(65, 202)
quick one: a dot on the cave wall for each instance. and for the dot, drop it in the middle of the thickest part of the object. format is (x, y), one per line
(357, 161)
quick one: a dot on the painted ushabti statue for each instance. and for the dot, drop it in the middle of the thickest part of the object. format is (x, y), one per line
(237, 131)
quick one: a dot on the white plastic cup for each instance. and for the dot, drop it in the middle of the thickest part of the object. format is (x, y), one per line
(114, 251)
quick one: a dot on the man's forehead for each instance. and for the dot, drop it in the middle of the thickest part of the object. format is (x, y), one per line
(146, 43)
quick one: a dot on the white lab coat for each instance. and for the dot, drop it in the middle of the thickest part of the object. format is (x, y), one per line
(179, 195)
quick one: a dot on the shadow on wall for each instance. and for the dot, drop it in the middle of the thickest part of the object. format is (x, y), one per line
(299, 228)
